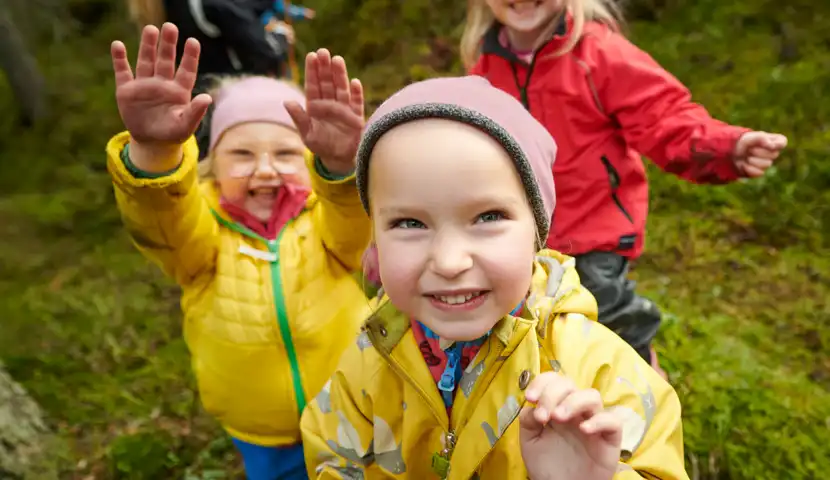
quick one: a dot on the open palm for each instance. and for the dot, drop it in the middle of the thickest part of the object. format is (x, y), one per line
(333, 119)
(155, 104)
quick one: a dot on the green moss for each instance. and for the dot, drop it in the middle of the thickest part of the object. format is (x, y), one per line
(93, 330)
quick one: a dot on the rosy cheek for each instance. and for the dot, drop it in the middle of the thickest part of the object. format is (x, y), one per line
(234, 190)
(400, 270)
(240, 170)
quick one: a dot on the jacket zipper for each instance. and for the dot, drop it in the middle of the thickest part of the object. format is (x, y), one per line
(279, 305)
(440, 461)
(614, 179)
(523, 87)
(285, 328)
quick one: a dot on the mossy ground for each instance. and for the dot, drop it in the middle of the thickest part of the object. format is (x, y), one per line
(743, 271)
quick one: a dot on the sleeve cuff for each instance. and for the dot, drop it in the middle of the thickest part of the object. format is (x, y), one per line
(139, 173)
(321, 170)
(129, 180)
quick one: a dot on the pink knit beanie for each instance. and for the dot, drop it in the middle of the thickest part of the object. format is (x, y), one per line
(254, 99)
(474, 101)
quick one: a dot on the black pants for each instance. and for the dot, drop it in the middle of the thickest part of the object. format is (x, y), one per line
(632, 317)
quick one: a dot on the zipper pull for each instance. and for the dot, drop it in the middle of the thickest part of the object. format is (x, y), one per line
(441, 461)
(440, 465)
(447, 381)
(446, 384)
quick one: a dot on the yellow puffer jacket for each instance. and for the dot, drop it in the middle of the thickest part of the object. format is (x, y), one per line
(381, 415)
(265, 321)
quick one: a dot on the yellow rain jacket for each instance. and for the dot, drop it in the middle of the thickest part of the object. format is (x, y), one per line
(265, 321)
(381, 415)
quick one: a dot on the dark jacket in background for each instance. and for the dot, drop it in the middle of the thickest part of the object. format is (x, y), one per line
(231, 33)
(234, 42)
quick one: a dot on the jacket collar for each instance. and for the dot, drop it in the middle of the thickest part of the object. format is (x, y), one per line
(295, 203)
(491, 44)
(387, 326)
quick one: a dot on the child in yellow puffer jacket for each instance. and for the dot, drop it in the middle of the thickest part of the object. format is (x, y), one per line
(483, 359)
(263, 260)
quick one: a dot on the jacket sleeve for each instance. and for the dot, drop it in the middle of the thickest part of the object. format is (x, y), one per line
(595, 357)
(336, 426)
(657, 116)
(242, 29)
(166, 217)
(339, 215)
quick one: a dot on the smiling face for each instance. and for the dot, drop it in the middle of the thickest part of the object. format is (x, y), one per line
(454, 231)
(253, 160)
(527, 21)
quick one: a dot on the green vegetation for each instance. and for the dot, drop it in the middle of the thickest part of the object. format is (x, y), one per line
(93, 331)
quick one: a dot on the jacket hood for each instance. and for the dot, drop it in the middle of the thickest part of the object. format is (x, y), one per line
(555, 289)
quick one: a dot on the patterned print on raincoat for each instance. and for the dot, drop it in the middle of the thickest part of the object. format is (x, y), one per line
(381, 414)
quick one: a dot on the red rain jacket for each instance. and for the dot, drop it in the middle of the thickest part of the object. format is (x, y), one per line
(605, 103)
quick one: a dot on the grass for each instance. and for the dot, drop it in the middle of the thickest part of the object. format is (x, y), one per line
(742, 272)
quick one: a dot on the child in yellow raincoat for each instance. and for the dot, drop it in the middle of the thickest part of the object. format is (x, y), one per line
(263, 260)
(483, 358)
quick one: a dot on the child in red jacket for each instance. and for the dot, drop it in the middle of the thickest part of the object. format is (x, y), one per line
(605, 102)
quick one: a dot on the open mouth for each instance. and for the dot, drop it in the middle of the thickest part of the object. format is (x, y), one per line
(263, 194)
(525, 5)
(459, 301)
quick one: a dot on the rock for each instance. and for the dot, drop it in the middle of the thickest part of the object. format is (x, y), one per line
(27, 448)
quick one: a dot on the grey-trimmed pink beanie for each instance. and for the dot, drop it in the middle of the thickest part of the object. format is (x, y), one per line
(473, 101)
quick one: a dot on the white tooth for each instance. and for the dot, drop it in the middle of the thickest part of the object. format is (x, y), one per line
(453, 299)
(457, 299)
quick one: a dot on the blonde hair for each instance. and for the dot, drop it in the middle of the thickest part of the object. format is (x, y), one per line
(217, 84)
(147, 12)
(480, 19)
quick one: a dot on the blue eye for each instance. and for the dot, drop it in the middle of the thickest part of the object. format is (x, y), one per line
(492, 216)
(407, 223)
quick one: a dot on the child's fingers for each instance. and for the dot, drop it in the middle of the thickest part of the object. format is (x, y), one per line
(762, 163)
(166, 55)
(189, 66)
(539, 384)
(557, 388)
(357, 100)
(120, 63)
(145, 66)
(312, 77)
(324, 77)
(300, 117)
(763, 152)
(775, 141)
(606, 424)
(528, 421)
(335, 111)
(198, 107)
(750, 170)
(579, 404)
(340, 80)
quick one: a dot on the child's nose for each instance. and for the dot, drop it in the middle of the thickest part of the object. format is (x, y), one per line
(265, 167)
(450, 258)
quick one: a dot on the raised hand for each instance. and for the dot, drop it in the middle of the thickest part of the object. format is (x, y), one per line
(567, 434)
(333, 119)
(155, 104)
(756, 151)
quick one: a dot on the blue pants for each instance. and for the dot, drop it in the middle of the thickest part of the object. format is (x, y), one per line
(272, 463)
